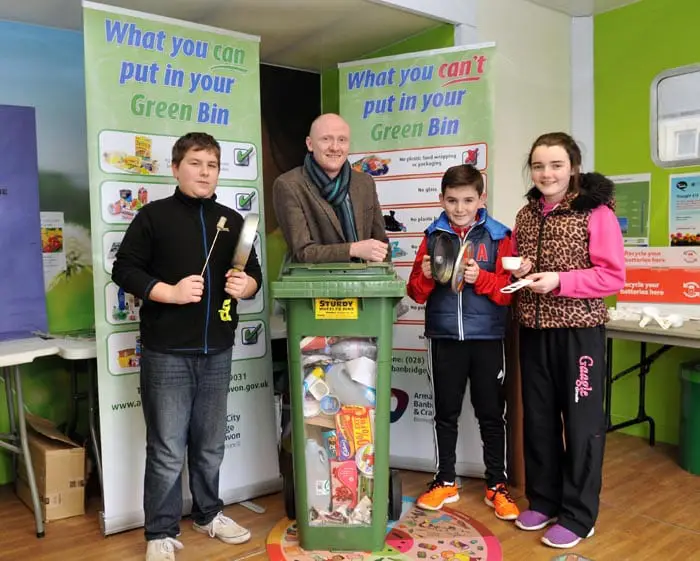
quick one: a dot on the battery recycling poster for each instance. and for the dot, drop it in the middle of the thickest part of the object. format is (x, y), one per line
(412, 117)
(150, 80)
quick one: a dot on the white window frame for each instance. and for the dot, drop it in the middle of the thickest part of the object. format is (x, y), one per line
(691, 161)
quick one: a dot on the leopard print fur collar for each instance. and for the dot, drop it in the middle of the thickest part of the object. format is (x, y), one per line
(594, 190)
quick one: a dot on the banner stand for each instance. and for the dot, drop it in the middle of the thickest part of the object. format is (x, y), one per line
(411, 117)
(149, 80)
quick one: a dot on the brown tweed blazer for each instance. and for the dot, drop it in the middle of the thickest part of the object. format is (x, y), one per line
(309, 224)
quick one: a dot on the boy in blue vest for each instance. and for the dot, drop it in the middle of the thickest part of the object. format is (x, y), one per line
(465, 331)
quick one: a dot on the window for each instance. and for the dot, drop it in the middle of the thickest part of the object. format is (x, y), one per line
(675, 117)
(686, 144)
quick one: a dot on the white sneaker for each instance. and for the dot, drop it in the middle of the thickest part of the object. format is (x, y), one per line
(225, 529)
(162, 550)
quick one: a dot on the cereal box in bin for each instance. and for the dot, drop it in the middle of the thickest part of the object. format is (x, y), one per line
(361, 425)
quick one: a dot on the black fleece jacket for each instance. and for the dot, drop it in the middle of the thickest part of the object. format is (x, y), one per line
(168, 240)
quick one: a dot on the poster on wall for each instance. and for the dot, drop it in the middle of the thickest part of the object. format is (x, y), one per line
(149, 80)
(632, 198)
(684, 210)
(53, 248)
(412, 117)
(667, 277)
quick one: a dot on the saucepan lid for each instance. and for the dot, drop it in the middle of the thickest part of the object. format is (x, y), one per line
(442, 261)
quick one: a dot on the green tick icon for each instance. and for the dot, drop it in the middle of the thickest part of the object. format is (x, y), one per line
(244, 200)
(242, 157)
(251, 334)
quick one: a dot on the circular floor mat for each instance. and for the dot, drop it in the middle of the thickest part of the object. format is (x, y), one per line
(444, 536)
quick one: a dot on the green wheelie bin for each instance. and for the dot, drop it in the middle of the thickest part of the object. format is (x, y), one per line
(689, 442)
(339, 344)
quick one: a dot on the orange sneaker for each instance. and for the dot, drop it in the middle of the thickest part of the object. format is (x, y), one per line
(503, 504)
(439, 494)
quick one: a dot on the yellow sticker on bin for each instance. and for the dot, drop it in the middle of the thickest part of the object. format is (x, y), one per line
(336, 308)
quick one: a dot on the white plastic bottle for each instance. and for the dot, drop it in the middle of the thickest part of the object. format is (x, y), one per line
(345, 389)
(318, 476)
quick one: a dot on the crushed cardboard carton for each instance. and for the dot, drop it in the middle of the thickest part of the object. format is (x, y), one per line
(59, 469)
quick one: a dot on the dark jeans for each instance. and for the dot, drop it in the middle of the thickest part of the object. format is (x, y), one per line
(184, 404)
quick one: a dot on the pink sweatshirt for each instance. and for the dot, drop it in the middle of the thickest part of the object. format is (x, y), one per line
(606, 248)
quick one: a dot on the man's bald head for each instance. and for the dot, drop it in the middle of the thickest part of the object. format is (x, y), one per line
(325, 121)
(329, 142)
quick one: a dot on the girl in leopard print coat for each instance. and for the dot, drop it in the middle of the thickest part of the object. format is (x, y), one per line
(572, 250)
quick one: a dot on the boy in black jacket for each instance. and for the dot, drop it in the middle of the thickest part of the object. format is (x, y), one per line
(186, 344)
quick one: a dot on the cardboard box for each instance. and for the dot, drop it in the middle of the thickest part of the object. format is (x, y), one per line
(59, 469)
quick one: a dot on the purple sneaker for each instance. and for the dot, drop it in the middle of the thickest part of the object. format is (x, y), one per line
(562, 538)
(531, 520)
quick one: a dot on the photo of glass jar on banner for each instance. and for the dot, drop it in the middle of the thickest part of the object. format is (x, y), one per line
(339, 388)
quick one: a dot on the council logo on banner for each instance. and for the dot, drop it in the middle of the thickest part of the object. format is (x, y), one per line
(401, 404)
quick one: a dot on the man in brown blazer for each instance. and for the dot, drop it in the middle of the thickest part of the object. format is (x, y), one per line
(328, 212)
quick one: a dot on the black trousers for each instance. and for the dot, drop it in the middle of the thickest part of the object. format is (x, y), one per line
(563, 381)
(481, 363)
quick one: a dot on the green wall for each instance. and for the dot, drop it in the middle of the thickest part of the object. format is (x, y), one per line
(438, 37)
(632, 45)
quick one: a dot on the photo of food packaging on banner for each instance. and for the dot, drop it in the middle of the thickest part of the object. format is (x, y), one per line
(339, 388)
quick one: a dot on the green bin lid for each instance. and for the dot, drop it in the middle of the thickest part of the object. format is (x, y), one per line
(690, 372)
(339, 280)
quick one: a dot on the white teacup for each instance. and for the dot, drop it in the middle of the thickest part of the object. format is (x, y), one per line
(511, 263)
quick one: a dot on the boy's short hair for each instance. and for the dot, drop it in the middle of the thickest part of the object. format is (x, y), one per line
(195, 141)
(462, 176)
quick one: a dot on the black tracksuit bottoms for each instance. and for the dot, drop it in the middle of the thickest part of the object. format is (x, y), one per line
(481, 363)
(563, 380)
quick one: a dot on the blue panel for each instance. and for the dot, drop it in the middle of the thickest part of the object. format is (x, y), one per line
(22, 297)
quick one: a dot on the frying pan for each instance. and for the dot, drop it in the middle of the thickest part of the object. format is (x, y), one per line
(245, 242)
